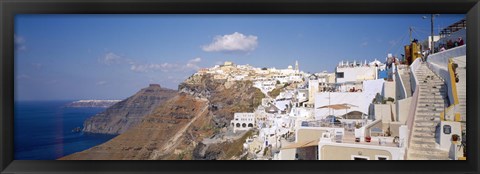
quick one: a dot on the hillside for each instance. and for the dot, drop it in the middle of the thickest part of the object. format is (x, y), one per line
(129, 112)
(201, 109)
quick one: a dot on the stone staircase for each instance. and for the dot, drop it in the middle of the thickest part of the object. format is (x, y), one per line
(432, 100)
(462, 88)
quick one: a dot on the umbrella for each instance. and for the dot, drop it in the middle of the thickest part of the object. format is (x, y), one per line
(345, 106)
(335, 106)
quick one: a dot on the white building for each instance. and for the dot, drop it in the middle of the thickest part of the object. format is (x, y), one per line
(360, 100)
(243, 121)
(354, 73)
(265, 86)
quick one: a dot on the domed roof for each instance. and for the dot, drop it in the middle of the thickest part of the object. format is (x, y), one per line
(375, 62)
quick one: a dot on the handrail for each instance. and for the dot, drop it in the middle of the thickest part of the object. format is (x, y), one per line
(412, 113)
(452, 90)
(452, 80)
(413, 105)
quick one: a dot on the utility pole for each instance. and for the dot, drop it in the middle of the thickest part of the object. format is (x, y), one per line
(432, 49)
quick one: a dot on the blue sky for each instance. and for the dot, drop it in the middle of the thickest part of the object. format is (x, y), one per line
(61, 57)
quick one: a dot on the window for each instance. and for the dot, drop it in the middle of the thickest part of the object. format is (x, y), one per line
(447, 129)
(359, 158)
(244, 125)
(381, 157)
(356, 157)
(339, 74)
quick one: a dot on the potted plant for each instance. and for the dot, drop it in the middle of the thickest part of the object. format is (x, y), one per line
(455, 137)
(368, 139)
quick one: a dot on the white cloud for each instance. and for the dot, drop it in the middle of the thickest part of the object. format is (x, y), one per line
(19, 42)
(236, 42)
(364, 44)
(111, 58)
(101, 83)
(192, 64)
(164, 67)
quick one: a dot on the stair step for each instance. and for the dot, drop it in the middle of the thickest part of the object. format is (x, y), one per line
(428, 155)
(426, 110)
(432, 102)
(425, 123)
(424, 130)
(427, 114)
(424, 141)
(425, 119)
(430, 86)
(438, 106)
(431, 93)
(426, 127)
(420, 148)
(424, 134)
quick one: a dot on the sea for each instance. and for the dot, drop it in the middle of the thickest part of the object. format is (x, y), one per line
(43, 130)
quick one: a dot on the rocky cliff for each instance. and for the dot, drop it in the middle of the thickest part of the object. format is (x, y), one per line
(129, 112)
(201, 109)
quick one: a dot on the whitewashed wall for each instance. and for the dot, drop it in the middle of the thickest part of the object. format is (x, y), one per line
(438, 63)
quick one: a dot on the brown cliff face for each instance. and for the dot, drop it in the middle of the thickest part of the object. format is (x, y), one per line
(129, 112)
(156, 131)
(174, 130)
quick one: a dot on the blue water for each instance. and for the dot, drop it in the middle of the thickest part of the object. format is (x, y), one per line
(43, 130)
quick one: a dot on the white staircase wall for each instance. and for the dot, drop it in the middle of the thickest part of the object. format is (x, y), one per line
(438, 63)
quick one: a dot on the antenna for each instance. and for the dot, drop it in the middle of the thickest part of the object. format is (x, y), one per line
(411, 33)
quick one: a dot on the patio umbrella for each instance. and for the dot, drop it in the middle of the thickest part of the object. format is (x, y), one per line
(345, 106)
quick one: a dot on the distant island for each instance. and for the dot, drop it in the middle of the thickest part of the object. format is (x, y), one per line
(92, 103)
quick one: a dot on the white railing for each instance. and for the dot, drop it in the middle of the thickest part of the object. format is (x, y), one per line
(413, 105)
(413, 78)
(401, 91)
(439, 63)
